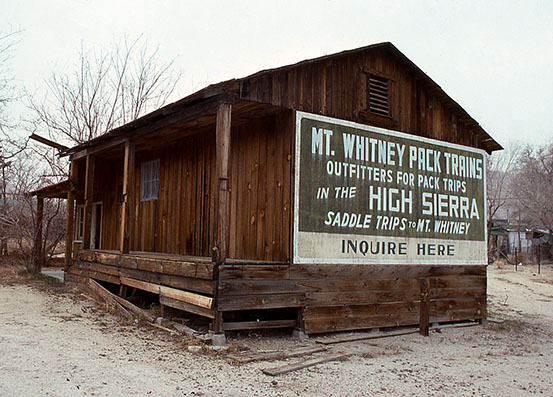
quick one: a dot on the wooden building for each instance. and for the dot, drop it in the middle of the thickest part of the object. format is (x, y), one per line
(196, 201)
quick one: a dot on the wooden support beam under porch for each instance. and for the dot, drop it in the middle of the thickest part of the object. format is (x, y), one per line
(184, 283)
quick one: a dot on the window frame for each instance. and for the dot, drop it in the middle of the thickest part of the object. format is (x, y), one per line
(149, 180)
(79, 223)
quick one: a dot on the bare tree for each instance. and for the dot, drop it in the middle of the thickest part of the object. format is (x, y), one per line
(10, 145)
(533, 185)
(7, 87)
(499, 174)
(19, 223)
(106, 90)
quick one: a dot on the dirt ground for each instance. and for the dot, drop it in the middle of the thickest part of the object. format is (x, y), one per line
(54, 342)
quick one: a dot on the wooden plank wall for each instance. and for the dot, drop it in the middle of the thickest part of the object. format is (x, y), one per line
(347, 297)
(180, 220)
(338, 88)
(261, 174)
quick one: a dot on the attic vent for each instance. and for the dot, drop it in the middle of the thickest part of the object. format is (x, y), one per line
(379, 98)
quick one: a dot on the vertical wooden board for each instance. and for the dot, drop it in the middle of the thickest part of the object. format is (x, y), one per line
(136, 202)
(244, 198)
(271, 212)
(171, 216)
(280, 180)
(234, 158)
(189, 203)
(347, 88)
(89, 192)
(178, 204)
(196, 231)
(165, 204)
(211, 183)
(291, 101)
(288, 192)
(254, 169)
(262, 186)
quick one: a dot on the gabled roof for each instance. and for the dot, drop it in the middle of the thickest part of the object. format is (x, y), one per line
(233, 88)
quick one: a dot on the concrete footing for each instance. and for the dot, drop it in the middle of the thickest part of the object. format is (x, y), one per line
(218, 340)
(299, 334)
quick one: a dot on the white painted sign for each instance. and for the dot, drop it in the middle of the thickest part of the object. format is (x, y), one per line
(369, 195)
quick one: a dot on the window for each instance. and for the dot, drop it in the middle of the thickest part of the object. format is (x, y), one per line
(149, 180)
(79, 223)
(379, 95)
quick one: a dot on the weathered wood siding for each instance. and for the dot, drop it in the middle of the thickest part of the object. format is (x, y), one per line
(338, 87)
(347, 297)
(180, 220)
(261, 174)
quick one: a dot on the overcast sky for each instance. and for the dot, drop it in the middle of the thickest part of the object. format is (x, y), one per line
(495, 58)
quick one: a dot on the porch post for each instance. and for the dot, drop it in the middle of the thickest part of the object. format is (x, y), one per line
(69, 228)
(70, 218)
(37, 257)
(88, 191)
(220, 247)
(126, 207)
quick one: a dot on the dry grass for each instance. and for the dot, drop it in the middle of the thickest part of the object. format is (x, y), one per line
(500, 263)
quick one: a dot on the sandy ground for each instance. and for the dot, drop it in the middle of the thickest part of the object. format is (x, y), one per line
(53, 342)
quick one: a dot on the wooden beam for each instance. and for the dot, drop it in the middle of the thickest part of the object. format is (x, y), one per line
(88, 193)
(364, 337)
(48, 142)
(176, 304)
(143, 285)
(128, 192)
(185, 296)
(276, 355)
(37, 257)
(222, 163)
(173, 293)
(220, 249)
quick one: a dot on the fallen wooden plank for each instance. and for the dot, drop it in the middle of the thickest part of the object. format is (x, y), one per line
(365, 337)
(304, 364)
(495, 320)
(277, 355)
(184, 329)
(107, 299)
(136, 310)
(241, 325)
(171, 331)
(105, 294)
